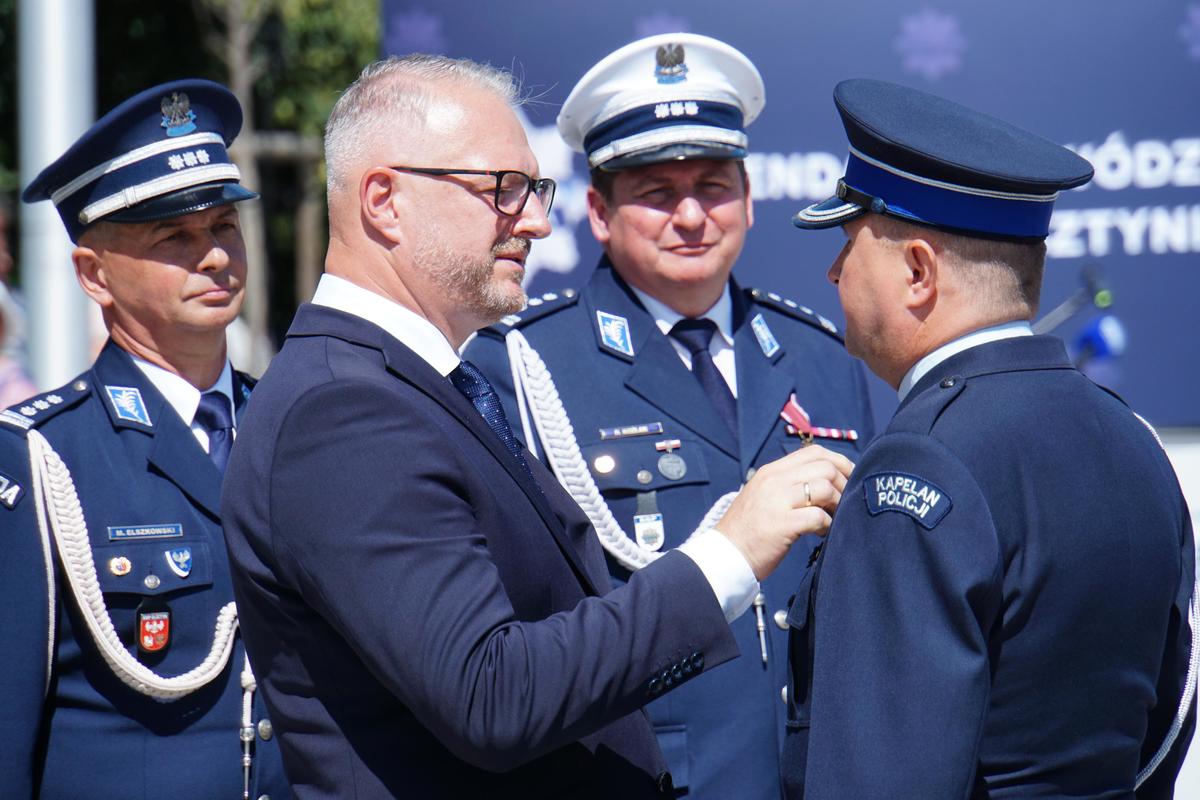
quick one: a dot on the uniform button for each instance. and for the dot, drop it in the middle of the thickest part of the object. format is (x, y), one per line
(783, 694)
(666, 784)
(697, 661)
(265, 729)
(79, 386)
(644, 476)
(948, 383)
(151, 582)
(264, 797)
(750, 473)
(604, 464)
(781, 619)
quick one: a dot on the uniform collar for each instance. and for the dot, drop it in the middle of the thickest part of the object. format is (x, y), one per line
(1007, 330)
(665, 317)
(406, 326)
(181, 395)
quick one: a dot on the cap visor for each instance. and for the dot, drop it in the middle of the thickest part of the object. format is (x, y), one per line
(686, 151)
(184, 201)
(827, 214)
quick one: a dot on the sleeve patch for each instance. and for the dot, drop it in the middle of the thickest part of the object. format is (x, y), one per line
(909, 494)
(10, 492)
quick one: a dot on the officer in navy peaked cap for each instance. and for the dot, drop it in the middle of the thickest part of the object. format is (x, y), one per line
(676, 381)
(124, 675)
(1001, 606)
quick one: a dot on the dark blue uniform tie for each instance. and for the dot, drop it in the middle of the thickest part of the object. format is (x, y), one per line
(476, 388)
(213, 415)
(696, 335)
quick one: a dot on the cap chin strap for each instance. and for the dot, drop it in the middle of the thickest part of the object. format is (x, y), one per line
(538, 397)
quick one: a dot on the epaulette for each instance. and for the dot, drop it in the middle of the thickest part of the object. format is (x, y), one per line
(537, 308)
(794, 310)
(36, 410)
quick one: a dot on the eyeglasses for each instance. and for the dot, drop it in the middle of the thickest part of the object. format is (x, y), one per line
(512, 187)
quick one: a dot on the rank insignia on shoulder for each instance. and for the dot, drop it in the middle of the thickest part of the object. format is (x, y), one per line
(614, 332)
(127, 402)
(10, 492)
(179, 560)
(800, 424)
(766, 339)
(15, 419)
(908, 494)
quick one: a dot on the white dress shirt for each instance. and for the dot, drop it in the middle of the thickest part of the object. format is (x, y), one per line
(721, 347)
(1006, 330)
(723, 565)
(185, 398)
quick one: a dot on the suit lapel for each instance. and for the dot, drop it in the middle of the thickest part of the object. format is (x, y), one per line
(409, 367)
(171, 448)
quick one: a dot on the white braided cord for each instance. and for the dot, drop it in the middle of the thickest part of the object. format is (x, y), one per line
(57, 505)
(532, 379)
(51, 583)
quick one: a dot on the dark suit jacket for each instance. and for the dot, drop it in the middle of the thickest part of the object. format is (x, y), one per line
(146, 488)
(1000, 609)
(721, 733)
(423, 619)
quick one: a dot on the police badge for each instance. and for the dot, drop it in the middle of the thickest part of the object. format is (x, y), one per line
(669, 64)
(177, 115)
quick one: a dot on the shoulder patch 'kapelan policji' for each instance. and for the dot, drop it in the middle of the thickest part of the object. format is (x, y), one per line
(908, 494)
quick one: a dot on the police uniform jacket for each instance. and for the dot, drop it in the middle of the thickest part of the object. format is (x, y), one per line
(146, 488)
(426, 618)
(721, 734)
(1000, 607)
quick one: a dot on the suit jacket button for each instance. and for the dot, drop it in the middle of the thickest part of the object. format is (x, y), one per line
(666, 784)
(697, 661)
(667, 679)
(677, 672)
(654, 687)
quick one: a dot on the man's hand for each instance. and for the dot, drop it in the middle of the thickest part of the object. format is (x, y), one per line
(787, 498)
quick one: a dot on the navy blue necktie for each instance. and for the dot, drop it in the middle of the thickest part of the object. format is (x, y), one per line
(213, 415)
(467, 378)
(696, 335)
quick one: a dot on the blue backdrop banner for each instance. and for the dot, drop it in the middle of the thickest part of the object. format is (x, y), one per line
(1117, 82)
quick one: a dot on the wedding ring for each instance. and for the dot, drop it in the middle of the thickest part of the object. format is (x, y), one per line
(807, 495)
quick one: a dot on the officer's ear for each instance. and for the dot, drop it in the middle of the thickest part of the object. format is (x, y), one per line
(599, 209)
(378, 195)
(921, 261)
(89, 265)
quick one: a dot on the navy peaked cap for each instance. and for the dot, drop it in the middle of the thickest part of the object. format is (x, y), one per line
(161, 153)
(928, 160)
(663, 98)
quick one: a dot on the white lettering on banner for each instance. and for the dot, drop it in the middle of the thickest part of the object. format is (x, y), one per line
(1146, 164)
(794, 176)
(1159, 230)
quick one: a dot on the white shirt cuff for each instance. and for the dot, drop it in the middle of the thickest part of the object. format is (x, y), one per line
(726, 570)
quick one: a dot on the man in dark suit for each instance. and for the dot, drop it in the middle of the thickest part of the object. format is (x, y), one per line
(123, 674)
(425, 608)
(666, 425)
(1001, 607)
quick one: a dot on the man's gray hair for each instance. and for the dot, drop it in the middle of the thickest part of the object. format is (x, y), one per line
(392, 95)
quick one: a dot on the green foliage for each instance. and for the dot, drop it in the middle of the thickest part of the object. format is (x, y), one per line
(314, 49)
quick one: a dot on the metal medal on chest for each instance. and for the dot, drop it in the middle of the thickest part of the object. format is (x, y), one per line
(153, 626)
(672, 466)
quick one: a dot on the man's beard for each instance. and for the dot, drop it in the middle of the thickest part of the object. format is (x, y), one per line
(472, 282)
